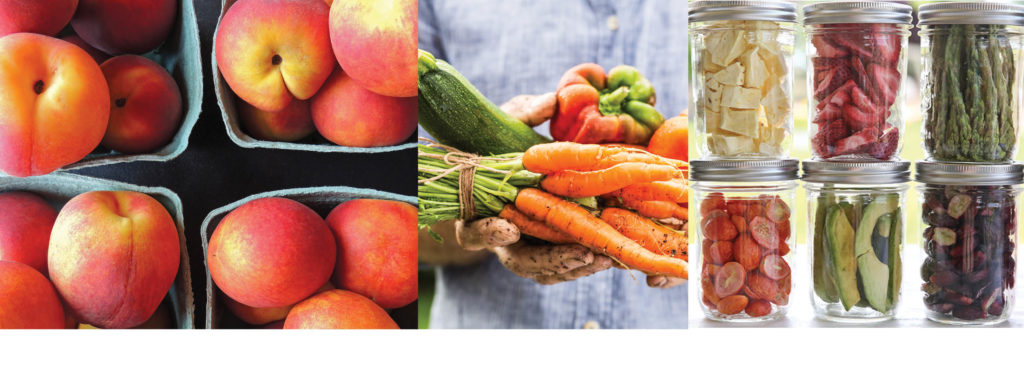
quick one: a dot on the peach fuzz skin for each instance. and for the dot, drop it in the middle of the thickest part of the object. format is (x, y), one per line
(338, 309)
(273, 51)
(376, 42)
(271, 252)
(347, 114)
(377, 250)
(29, 301)
(262, 316)
(146, 107)
(25, 223)
(113, 257)
(46, 84)
(45, 17)
(292, 123)
(125, 26)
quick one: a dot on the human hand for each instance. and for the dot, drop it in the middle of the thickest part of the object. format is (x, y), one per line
(545, 264)
(663, 281)
(533, 110)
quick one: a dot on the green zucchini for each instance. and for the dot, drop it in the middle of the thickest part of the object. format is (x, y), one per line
(456, 114)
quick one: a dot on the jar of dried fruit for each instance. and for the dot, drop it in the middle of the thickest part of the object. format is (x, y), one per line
(971, 78)
(744, 228)
(742, 78)
(969, 236)
(855, 216)
(856, 58)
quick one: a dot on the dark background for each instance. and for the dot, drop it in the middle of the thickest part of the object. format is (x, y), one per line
(214, 171)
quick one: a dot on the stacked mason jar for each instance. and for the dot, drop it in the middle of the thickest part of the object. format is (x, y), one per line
(743, 181)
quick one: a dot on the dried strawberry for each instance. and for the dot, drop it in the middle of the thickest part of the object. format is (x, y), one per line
(829, 113)
(852, 41)
(834, 131)
(853, 143)
(886, 82)
(886, 42)
(764, 232)
(820, 146)
(885, 148)
(859, 119)
(831, 80)
(826, 49)
(861, 100)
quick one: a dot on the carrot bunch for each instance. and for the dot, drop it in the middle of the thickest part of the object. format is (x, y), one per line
(541, 190)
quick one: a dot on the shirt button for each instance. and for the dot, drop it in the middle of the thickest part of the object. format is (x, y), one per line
(591, 325)
(612, 22)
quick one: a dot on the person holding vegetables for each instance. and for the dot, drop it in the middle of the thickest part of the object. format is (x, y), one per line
(514, 47)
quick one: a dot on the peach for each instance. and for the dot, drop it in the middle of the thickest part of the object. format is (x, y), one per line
(46, 17)
(113, 257)
(292, 123)
(146, 110)
(124, 26)
(338, 309)
(375, 42)
(273, 51)
(96, 54)
(29, 301)
(348, 114)
(52, 110)
(275, 325)
(25, 223)
(271, 252)
(262, 316)
(162, 318)
(377, 250)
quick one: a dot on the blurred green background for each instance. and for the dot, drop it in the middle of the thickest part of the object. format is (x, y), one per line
(912, 147)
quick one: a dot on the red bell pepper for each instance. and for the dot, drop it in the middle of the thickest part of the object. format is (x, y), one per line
(597, 108)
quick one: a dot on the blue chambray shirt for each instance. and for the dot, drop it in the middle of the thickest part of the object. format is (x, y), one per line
(511, 47)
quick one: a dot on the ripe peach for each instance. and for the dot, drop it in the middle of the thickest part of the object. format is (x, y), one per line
(292, 123)
(271, 252)
(375, 42)
(271, 51)
(377, 255)
(162, 318)
(338, 309)
(113, 257)
(96, 54)
(124, 26)
(146, 111)
(25, 223)
(29, 301)
(262, 316)
(45, 17)
(52, 110)
(347, 114)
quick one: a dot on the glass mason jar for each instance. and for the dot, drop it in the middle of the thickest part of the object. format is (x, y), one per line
(856, 61)
(855, 216)
(742, 78)
(744, 228)
(971, 80)
(969, 232)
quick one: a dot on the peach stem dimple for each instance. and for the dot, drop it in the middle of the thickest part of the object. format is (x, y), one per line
(120, 102)
(276, 60)
(38, 87)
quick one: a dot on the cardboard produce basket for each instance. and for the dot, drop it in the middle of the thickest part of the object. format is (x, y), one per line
(59, 188)
(320, 199)
(226, 100)
(180, 55)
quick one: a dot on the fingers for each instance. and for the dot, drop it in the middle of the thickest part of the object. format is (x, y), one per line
(661, 281)
(600, 263)
(531, 109)
(490, 232)
(531, 261)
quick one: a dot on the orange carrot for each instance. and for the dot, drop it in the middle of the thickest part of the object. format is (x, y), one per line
(657, 238)
(657, 209)
(673, 190)
(594, 233)
(577, 184)
(533, 228)
(560, 156)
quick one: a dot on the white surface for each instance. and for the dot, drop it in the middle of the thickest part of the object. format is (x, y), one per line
(910, 313)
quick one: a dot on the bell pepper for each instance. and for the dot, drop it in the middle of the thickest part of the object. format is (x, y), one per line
(594, 107)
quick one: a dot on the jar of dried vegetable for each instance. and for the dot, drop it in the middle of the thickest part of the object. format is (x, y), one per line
(742, 78)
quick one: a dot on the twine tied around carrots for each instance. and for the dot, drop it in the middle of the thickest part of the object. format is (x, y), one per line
(466, 164)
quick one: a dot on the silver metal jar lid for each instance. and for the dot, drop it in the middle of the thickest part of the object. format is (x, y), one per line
(970, 13)
(969, 174)
(858, 12)
(743, 170)
(743, 10)
(844, 172)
